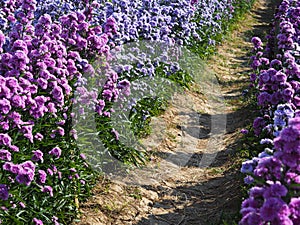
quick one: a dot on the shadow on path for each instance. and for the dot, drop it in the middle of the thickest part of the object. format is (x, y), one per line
(208, 202)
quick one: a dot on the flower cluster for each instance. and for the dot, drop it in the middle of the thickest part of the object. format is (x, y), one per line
(41, 59)
(272, 201)
(274, 197)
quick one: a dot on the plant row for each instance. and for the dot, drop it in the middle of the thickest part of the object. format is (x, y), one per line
(56, 63)
(273, 175)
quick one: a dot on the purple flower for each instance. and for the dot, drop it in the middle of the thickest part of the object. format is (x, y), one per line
(275, 190)
(73, 170)
(244, 131)
(56, 152)
(289, 159)
(247, 167)
(55, 220)
(275, 63)
(54, 168)
(73, 132)
(4, 192)
(253, 77)
(57, 94)
(39, 136)
(289, 134)
(264, 98)
(50, 172)
(82, 182)
(294, 206)
(42, 176)
(256, 42)
(264, 61)
(37, 221)
(22, 204)
(116, 134)
(248, 179)
(37, 156)
(264, 77)
(270, 208)
(18, 101)
(280, 77)
(252, 217)
(256, 192)
(43, 83)
(20, 45)
(25, 176)
(48, 189)
(8, 166)
(28, 164)
(258, 124)
(60, 131)
(268, 167)
(5, 155)
(83, 156)
(295, 122)
(107, 94)
(5, 139)
(288, 93)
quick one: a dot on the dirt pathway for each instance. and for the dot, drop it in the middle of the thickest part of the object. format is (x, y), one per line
(191, 194)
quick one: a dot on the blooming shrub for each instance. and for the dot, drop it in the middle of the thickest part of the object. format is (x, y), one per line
(273, 175)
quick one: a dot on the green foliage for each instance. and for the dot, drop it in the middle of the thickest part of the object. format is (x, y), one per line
(68, 186)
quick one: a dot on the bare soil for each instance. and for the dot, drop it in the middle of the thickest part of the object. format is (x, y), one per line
(191, 193)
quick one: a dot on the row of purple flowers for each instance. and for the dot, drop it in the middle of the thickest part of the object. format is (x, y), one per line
(274, 196)
(41, 58)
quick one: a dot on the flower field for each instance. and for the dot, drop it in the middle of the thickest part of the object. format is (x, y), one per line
(51, 51)
(273, 174)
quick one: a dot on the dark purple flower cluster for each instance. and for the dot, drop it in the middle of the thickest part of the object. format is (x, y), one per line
(274, 197)
(272, 201)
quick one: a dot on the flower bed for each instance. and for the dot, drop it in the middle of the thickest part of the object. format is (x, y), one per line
(274, 174)
(47, 48)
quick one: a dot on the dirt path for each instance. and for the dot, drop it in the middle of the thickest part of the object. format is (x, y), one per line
(191, 194)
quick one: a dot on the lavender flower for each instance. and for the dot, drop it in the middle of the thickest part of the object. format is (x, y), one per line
(248, 179)
(5, 155)
(25, 176)
(48, 189)
(37, 221)
(55, 152)
(22, 204)
(37, 156)
(42, 176)
(248, 166)
(257, 42)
